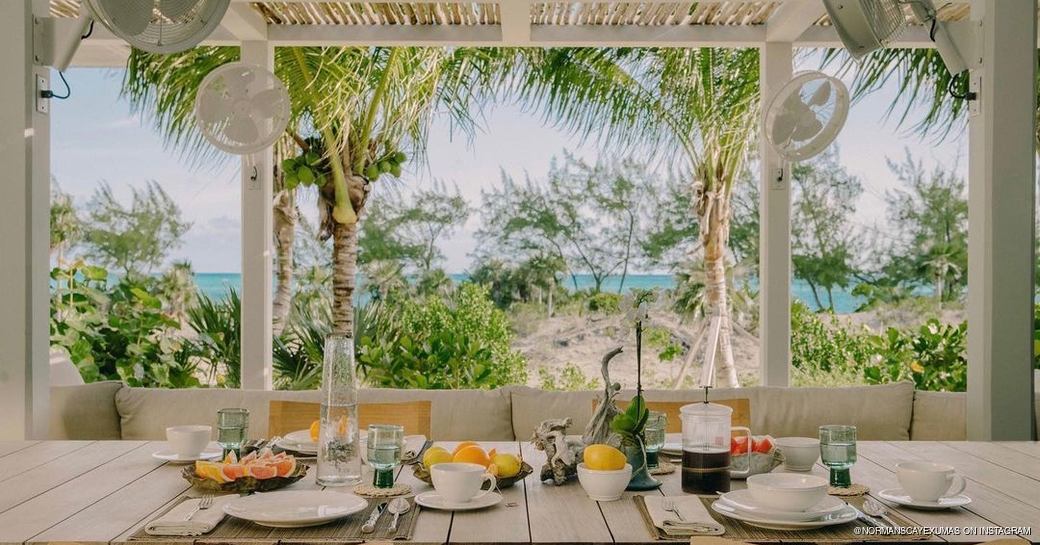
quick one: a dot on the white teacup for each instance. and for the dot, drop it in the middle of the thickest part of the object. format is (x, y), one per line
(927, 481)
(800, 453)
(460, 483)
(188, 441)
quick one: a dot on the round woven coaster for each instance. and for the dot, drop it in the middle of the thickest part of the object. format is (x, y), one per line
(367, 490)
(663, 468)
(853, 490)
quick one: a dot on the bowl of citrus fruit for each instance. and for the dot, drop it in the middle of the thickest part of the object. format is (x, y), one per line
(508, 469)
(257, 471)
(604, 472)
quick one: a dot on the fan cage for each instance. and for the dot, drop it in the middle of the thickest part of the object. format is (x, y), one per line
(886, 19)
(165, 34)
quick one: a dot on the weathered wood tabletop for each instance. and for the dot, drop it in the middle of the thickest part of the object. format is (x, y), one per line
(104, 491)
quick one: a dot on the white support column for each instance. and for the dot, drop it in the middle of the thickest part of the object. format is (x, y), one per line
(1001, 223)
(774, 261)
(257, 231)
(24, 222)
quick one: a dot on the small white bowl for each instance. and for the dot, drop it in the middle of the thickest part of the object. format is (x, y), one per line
(604, 485)
(800, 453)
(786, 491)
(188, 441)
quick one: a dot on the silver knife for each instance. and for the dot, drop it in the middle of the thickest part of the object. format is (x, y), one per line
(370, 524)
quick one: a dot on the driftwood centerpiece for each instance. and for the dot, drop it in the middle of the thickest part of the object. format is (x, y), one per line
(562, 453)
(598, 430)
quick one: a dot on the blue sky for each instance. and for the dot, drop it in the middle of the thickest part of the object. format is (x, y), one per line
(95, 138)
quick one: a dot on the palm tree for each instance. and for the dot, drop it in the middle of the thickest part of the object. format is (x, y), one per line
(700, 105)
(362, 104)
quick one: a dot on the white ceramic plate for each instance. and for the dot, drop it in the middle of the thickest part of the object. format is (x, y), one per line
(295, 508)
(166, 455)
(433, 500)
(898, 495)
(745, 503)
(843, 516)
(300, 441)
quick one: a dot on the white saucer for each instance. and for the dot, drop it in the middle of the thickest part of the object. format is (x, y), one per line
(843, 516)
(898, 495)
(174, 458)
(295, 508)
(433, 500)
(299, 441)
(746, 504)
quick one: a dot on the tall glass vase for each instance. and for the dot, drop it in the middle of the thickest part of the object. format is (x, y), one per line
(339, 455)
(636, 455)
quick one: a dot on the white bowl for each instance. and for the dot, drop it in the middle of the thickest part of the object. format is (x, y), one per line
(787, 491)
(800, 453)
(187, 441)
(604, 485)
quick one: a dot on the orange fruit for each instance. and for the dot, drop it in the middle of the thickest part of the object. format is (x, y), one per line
(604, 458)
(210, 470)
(472, 455)
(262, 471)
(315, 430)
(233, 471)
(463, 445)
(285, 466)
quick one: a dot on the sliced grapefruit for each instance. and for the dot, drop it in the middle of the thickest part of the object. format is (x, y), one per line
(231, 457)
(234, 471)
(285, 466)
(248, 458)
(262, 471)
(265, 454)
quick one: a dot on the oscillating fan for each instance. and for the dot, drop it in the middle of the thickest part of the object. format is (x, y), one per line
(865, 26)
(160, 26)
(241, 108)
(806, 115)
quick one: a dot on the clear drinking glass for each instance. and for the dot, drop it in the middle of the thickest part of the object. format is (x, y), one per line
(232, 429)
(385, 444)
(838, 452)
(653, 437)
(339, 461)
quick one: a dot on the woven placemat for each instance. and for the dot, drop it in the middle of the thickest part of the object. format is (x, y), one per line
(664, 467)
(736, 529)
(854, 489)
(367, 490)
(344, 530)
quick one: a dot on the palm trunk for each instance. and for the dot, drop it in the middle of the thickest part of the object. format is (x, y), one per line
(285, 217)
(344, 276)
(714, 221)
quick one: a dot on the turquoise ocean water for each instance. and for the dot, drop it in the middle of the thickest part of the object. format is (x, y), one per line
(215, 285)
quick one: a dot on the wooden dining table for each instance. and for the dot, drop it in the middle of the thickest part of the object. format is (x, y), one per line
(91, 492)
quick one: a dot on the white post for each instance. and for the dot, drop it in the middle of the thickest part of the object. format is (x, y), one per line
(256, 249)
(774, 262)
(1001, 223)
(25, 224)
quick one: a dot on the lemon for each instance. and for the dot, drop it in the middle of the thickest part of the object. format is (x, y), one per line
(604, 458)
(435, 455)
(506, 465)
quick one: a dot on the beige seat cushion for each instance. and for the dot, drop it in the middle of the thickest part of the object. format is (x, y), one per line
(939, 416)
(879, 412)
(86, 411)
(145, 413)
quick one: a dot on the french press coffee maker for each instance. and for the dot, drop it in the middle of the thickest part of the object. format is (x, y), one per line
(706, 433)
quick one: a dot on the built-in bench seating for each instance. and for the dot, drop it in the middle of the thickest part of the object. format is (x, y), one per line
(111, 410)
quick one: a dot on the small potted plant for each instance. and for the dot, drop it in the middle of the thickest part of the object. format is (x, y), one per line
(629, 425)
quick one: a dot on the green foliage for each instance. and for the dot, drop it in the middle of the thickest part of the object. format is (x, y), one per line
(66, 226)
(568, 378)
(660, 339)
(606, 303)
(630, 423)
(298, 352)
(218, 324)
(119, 332)
(310, 168)
(133, 239)
(462, 341)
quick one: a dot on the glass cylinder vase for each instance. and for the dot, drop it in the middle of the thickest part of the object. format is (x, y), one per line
(339, 456)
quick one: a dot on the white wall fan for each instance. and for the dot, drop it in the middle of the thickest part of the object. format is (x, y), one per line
(865, 26)
(241, 108)
(155, 26)
(806, 115)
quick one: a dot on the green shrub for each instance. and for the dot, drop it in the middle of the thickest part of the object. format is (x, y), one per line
(117, 332)
(457, 341)
(569, 378)
(932, 356)
(608, 303)
(218, 324)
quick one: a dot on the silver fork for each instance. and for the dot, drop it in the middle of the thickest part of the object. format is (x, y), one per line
(205, 503)
(669, 505)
